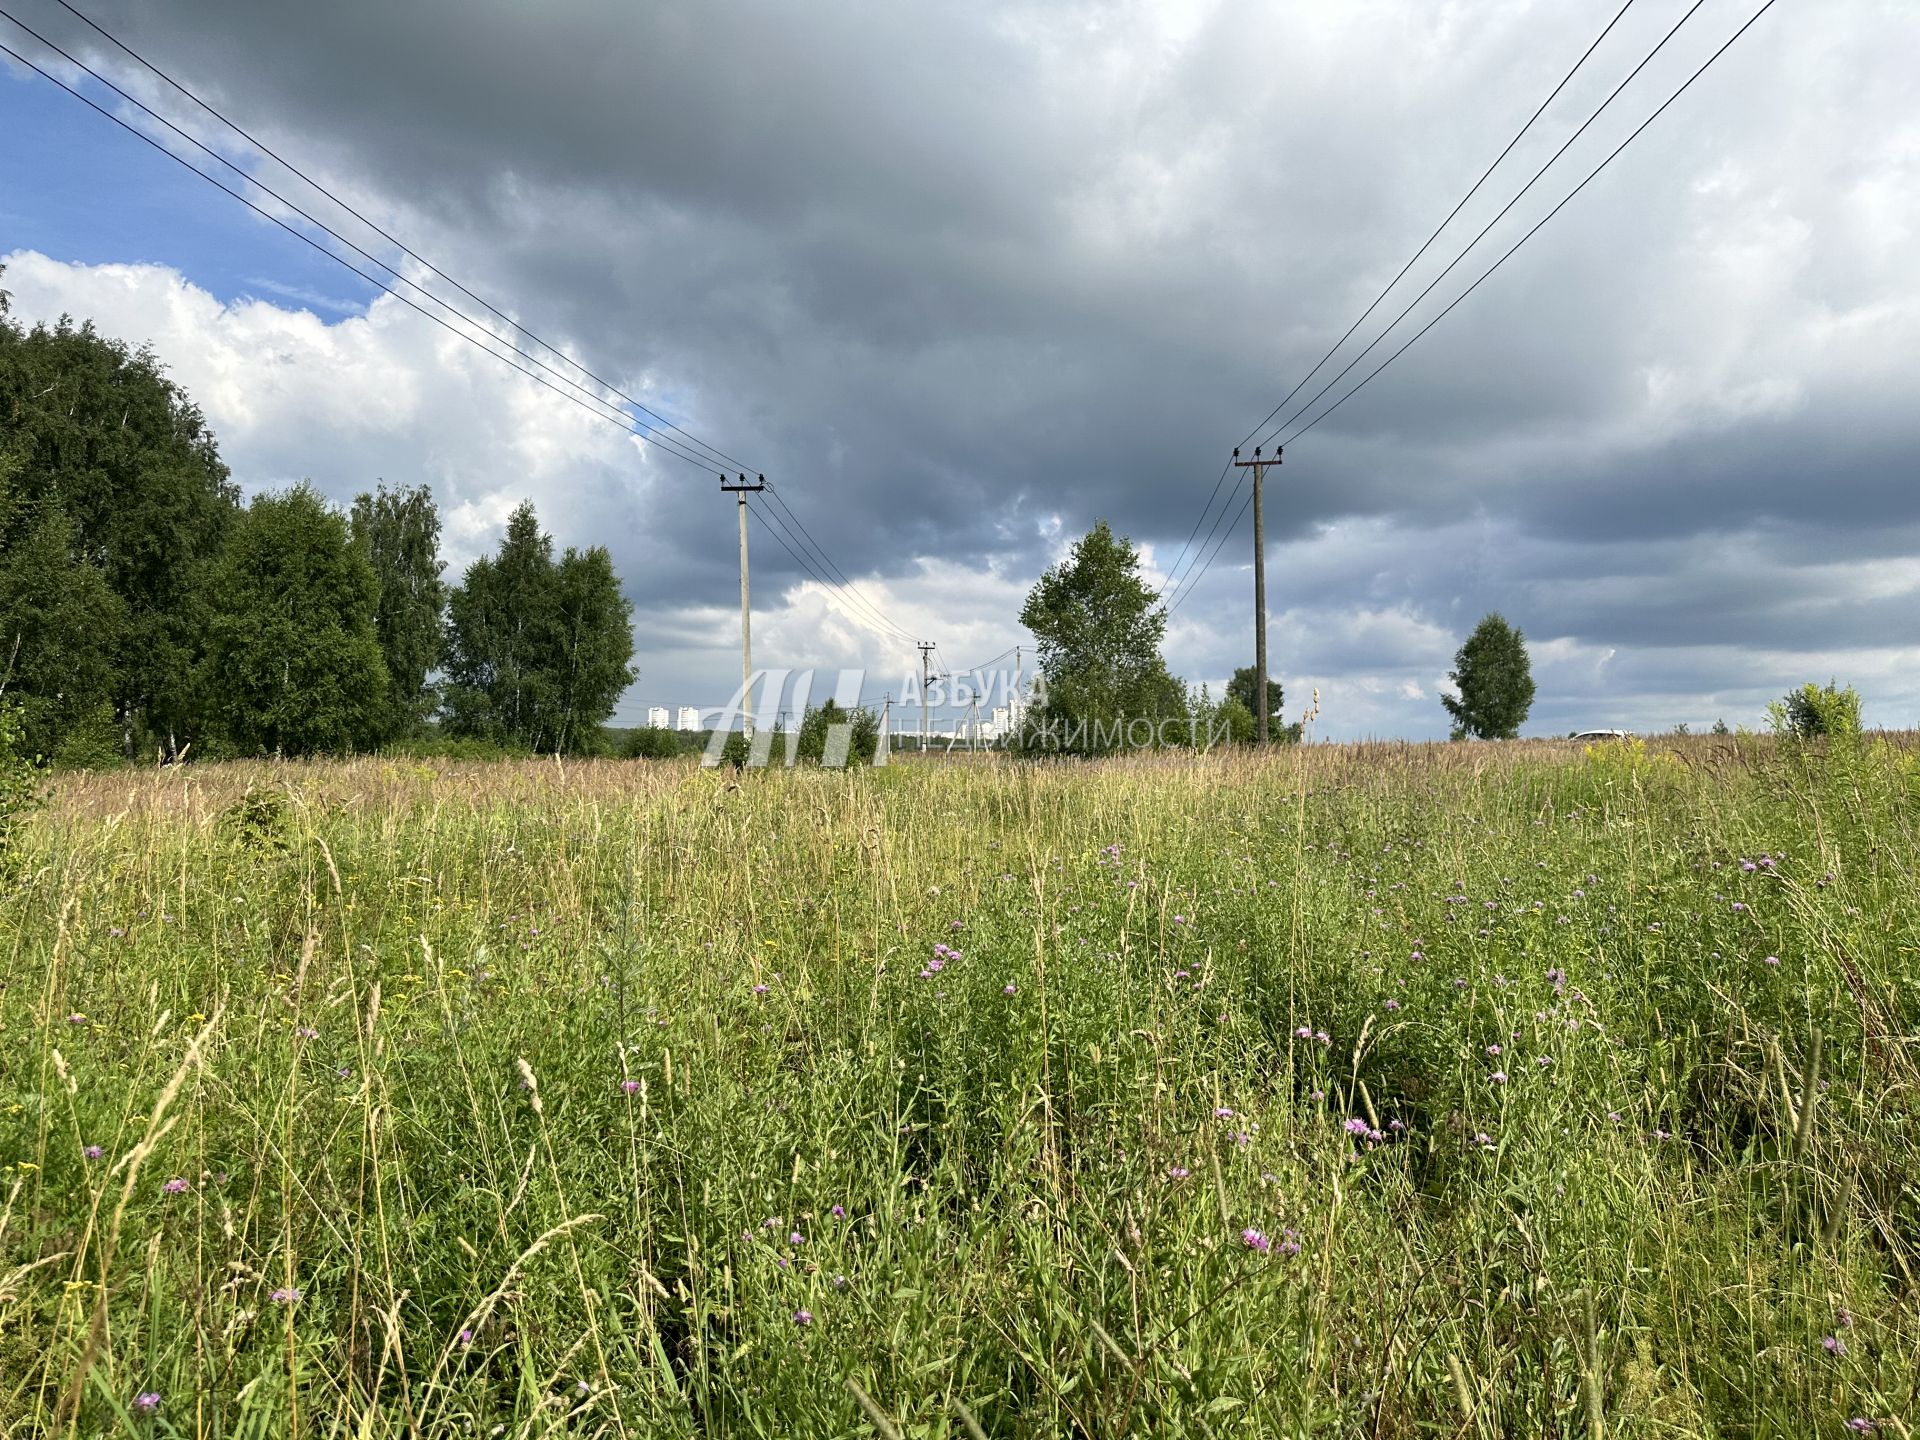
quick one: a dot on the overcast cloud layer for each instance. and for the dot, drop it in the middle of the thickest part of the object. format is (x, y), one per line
(962, 281)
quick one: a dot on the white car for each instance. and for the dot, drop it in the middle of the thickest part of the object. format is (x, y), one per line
(1594, 737)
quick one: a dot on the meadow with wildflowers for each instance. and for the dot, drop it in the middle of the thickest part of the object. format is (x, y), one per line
(1470, 1090)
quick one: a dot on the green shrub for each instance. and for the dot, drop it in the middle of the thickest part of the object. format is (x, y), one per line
(1811, 712)
(650, 742)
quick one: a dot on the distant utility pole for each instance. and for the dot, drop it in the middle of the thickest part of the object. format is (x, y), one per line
(741, 488)
(1259, 468)
(926, 680)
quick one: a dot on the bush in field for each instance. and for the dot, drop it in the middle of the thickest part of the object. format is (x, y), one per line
(818, 722)
(650, 742)
(1811, 712)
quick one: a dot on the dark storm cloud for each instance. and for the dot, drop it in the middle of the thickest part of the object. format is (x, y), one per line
(948, 274)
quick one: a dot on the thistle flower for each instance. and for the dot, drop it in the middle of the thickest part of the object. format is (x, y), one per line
(1255, 1240)
(803, 1317)
(175, 1186)
(286, 1295)
(93, 1152)
(629, 1087)
(147, 1401)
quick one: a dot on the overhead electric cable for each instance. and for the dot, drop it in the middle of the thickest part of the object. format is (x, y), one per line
(1459, 205)
(647, 432)
(1537, 224)
(607, 414)
(1173, 580)
(1591, 175)
(872, 610)
(404, 249)
(1481, 235)
(594, 404)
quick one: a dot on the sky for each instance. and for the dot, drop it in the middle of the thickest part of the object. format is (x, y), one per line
(963, 280)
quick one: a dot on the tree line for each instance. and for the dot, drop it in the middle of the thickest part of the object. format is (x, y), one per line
(144, 608)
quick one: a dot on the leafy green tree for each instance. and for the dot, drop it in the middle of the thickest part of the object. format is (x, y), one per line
(1099, 628)
(593, 654)
(400, 531)
(1241, 688)
(60, 629)
(102, 435)
(293, 661)
(501, 621)
(538, 652)
(1495, 681)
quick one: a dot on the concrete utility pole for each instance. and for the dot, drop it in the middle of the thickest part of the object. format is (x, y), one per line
(742, 489)
(926, 679)
(1259, 468)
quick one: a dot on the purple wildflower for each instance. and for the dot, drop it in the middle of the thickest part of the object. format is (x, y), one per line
(803, 1317)
(1255, 1240)
(147, 1401)
(839, 1212)
(175, 1186)
(93, 1152)
(286, 1295)
(1499, 1077)
(1222, 1112)
(629, 1087)
(1178, 1172)
(1834, 1345)
(1355, 1126)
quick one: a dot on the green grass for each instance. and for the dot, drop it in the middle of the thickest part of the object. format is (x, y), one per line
(477, 1060)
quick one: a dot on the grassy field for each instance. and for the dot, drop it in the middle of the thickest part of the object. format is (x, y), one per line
(1371, 1090)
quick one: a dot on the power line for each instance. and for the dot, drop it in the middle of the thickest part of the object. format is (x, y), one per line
(1591, 175)
(1173, 581)
(411, 254)
(594, 404)
(1460, 205)
(768, 520)
(1467, 249)
(1194, 577)
(600, 409)
(1538, 224)
(847, 585)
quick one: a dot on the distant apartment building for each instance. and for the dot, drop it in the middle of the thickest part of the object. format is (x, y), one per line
(657, 717)
(689, 717)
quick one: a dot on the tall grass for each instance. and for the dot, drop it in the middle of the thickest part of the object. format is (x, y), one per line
(1369, 1090)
